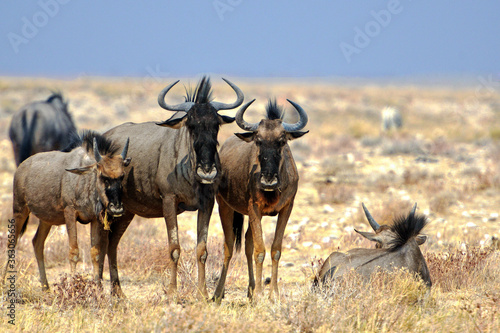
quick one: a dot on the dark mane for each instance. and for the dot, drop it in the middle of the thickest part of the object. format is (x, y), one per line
(405, 228)
(273, 110)
(202, 93)
(55, 95)
(86, 140)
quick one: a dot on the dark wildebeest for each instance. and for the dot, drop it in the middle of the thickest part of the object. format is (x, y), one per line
(41, 126)
(81, 185)
(259, 178)
(175, 168)
(397, 247)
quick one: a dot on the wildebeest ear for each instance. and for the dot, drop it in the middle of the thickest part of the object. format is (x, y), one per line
(175, 123)
(81, 171)
(295, 135)
(370, 236)
(247, 136)
(226, 119)
(421, 239)
(126, 161)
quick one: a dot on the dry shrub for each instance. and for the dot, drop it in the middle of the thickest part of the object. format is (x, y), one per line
(434, 185)
(352, 303)
(335, 193)
(337, 145)
(440, 146)
(74, 290)
(488, 179)
(457, 268)
(442, 201)
(414, 176)
(403, 147)
(146, 258)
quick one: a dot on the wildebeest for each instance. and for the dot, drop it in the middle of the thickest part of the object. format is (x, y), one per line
(41, 126)
(81, 185)
(175, 168)
(397, 247)
(259, 178)
(391, 119)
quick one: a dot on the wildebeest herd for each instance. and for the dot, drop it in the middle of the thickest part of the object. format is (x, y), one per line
(161, 169)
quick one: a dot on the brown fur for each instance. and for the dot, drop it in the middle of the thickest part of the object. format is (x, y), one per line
(65, 187)
(241, 191)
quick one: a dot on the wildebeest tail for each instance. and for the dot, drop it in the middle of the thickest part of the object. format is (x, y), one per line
(238, 229)
(25, 225)
(28, 134)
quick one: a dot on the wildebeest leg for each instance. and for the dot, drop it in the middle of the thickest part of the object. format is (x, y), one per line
(70, 219)
(283, 216)
(226, 216)
(174, 249)
(38, 245)
(259, 251)
(204, 215)
(118, 227)
(248, 253)
(99, 248)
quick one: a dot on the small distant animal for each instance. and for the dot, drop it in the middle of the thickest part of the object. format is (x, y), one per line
(397, 246)
(41, 126)
(259, 178)
(84, 185)
(391, 119)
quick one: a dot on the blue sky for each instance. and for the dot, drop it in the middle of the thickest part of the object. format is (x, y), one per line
(280, 38)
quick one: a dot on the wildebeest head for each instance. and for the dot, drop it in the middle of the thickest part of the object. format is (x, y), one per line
(270, 136)
(110, 170)
(199, 114)
(385, 235)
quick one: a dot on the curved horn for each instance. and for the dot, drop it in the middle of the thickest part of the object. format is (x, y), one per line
(302, 119)
(241, 122)
(413, 210)
(375, 226)
(179, 107)
(239, 98)
(125, 149)
(97, 155)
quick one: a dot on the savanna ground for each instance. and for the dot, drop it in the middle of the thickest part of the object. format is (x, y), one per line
(446, 158)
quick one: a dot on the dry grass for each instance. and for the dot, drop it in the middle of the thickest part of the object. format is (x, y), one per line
(446, 158)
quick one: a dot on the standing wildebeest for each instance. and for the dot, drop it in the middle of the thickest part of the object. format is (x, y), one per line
(391, 119)
(397, 247)
(175, 167)
(259, 178)
(41, 126)
(81, 185)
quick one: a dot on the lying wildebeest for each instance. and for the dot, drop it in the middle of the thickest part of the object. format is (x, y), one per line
(259, 178)
(175, 167)
(391, 119)
(81, 185)
(397, 247)
(41, 126)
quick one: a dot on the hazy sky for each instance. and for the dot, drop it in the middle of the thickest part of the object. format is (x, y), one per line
(280, 38)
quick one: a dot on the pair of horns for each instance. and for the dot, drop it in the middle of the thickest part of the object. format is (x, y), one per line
(375, 226)
(186, 106)
(288, 127)
(98, 156)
